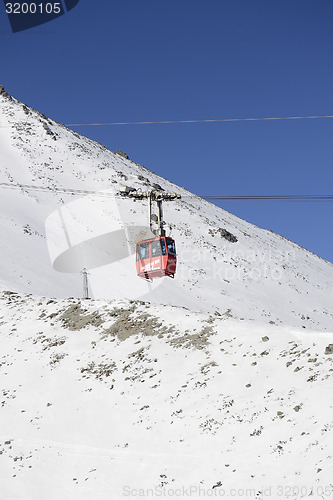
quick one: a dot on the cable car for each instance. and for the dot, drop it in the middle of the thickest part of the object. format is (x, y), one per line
(156, 258)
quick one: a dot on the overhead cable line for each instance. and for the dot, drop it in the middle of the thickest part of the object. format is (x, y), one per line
(214, 120)
(287, 197)
(199, 121)
(75, 192)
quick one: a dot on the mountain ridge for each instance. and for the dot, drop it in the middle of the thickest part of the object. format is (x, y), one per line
(262, 274)
(216, 383)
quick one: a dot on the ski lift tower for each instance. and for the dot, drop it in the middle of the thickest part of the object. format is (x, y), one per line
(84, 273)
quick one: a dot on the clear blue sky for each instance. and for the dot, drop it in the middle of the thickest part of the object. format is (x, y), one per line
(126, 60)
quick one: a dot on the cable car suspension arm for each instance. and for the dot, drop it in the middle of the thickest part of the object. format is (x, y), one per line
(151, 195)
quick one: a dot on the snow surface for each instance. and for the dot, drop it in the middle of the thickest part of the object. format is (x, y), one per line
(116, 399)
(261, 276)
(214, 384)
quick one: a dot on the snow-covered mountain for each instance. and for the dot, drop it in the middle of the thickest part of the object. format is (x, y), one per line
(214, 384)
(116, 399)
(261, 275)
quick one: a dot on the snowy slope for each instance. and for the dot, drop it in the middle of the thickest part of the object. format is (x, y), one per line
(217, 383)
(122, 399)
(262, 275)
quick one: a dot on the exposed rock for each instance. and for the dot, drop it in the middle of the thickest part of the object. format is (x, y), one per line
(196, 340)
(126, 325)
(329, 349)
(74, 318)
(157, 187)
(121, 153)
(224, 234)
(99, 371)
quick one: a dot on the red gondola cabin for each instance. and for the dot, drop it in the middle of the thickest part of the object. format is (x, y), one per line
(156, 258)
